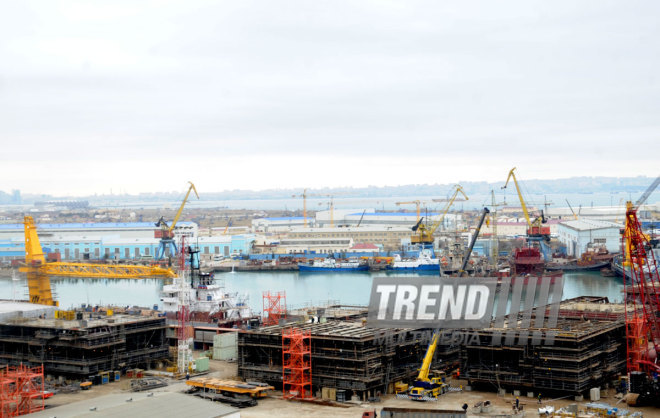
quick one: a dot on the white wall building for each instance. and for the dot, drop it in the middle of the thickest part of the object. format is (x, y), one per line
(579, 234)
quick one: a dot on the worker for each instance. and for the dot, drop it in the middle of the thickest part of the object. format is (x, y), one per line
(517, 403)
(539, 398)
(465, 407)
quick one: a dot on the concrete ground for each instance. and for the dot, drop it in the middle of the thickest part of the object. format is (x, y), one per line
(276, 407)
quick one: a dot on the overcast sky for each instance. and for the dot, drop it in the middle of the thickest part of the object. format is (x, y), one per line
(144, 95)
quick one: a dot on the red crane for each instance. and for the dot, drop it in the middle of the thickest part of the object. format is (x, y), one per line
(641, 286)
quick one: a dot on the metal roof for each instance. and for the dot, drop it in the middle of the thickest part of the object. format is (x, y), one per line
(141, 404)
(90, 225)
(589, 224)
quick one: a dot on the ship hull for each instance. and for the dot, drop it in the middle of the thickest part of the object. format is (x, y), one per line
(303, 268)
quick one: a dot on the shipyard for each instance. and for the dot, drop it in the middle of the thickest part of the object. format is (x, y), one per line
(434, 322)
(347, 209)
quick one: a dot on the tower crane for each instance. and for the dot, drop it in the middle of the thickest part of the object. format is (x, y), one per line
(39, 271)
(417, 203)
(166, 232)
(304, 197)
(424, 234)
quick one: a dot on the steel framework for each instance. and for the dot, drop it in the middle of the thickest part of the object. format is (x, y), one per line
(22, 390)
(38, 270)
(641, 288)
(274, 305)
(123, 271)
(297, 364)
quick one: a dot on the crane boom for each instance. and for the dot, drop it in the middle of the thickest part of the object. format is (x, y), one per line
(647, 193)
(417, 203)
(425, 235)
(436, 224)
(185, 199)
(534, 227)
(522, 201)
(423, 375)
(466, 257)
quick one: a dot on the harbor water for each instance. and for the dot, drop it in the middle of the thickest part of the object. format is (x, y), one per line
(302, 289)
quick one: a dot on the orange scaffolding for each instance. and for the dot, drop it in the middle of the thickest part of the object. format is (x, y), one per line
(22, 390)
(274, 304)
(297, 364)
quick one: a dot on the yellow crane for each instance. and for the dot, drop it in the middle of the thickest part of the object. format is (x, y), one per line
(424, 234)
(166, 233)
(427, 387)
(535, 229)
(304, 197)
(417, 203)
(38, 271)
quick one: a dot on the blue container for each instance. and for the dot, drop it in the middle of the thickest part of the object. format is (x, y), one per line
(117, 375)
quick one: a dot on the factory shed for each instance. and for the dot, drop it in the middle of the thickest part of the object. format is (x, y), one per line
(580, 234)
(136, 405)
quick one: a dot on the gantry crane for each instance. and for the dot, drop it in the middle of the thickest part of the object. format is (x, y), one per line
(424, 234)
(417, 204)
(38, 271)
(534, 228)
(166, 232)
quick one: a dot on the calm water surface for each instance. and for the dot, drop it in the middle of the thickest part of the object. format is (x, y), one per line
(301, 289)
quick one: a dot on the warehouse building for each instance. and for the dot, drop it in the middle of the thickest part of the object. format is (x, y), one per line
(578, 235)
(113, 241)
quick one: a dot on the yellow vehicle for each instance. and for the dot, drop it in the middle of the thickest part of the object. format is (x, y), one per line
(426, 387)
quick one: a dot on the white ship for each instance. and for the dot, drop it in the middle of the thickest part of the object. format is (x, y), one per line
(207, 300)
(425, 261)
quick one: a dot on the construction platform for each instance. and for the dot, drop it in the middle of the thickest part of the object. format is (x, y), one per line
(589, 350)
(346, 355)
(78, 348)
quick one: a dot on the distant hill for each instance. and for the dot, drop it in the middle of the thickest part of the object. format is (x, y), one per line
(556, 186)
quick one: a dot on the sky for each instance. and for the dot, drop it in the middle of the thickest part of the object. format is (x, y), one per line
(143, 96)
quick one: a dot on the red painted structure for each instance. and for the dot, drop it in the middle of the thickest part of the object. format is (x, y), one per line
(297, 364)
(21, 390)
(274, 305)
(641, 289)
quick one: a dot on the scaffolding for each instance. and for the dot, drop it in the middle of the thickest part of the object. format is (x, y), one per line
(274, 305)
(345, 355)
(83, 347)
(22, 390)
(588, 350)
(297, 364)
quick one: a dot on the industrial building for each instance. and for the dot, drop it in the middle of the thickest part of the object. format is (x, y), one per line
(281, 224)
(113, 241)
(578, 235)
(390, 238)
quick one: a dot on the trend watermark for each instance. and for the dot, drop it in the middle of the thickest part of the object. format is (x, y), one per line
(512, 309)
